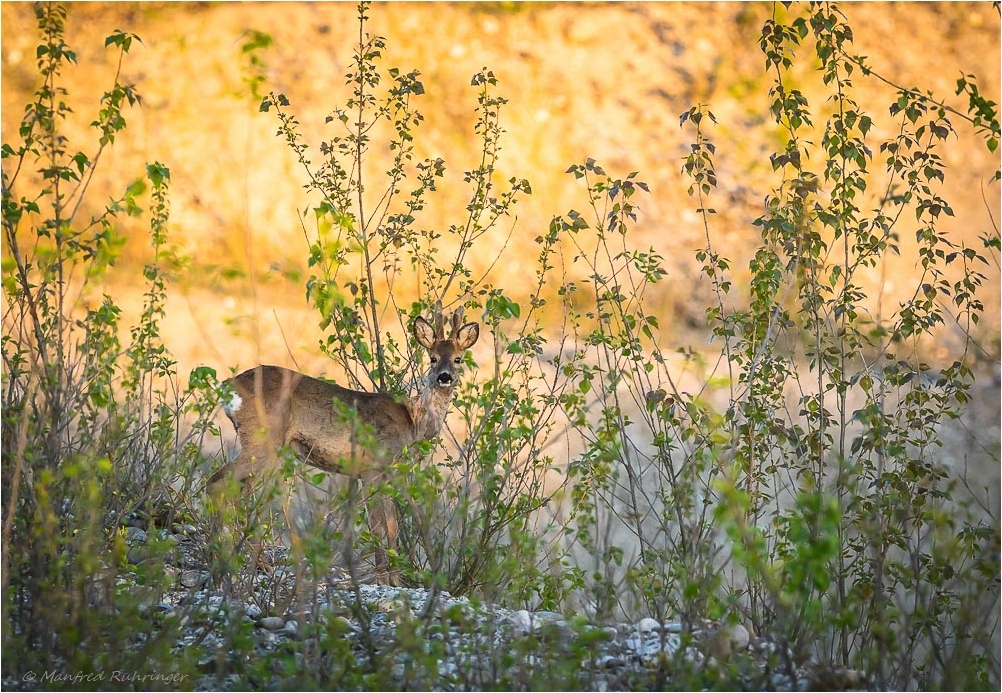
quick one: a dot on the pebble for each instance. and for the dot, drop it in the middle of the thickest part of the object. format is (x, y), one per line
(162, 609)
(194, 578)
(646, 626)
(739, 637)
(272, 622)
(541, 618)
(521, 621)
(346, 624)
(186, 530)
(134, 535)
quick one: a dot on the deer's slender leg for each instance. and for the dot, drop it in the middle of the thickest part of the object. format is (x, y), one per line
(383, 525)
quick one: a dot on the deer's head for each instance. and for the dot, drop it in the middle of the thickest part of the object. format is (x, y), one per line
(446, 353)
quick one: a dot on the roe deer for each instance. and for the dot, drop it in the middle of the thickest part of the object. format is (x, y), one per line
(340, 430)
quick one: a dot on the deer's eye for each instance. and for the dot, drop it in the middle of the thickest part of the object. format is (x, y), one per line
(458, 360)
(434, 359)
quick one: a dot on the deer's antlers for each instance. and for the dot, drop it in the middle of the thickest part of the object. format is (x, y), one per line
(457, 322)
(438, 322)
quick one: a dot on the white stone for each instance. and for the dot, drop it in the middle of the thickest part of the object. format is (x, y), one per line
(739, 638)
(521, 621)
(648, 626)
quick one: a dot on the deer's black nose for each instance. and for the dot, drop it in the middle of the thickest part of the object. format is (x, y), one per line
(445, 379)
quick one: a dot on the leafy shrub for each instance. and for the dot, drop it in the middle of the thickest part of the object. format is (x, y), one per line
(846, 534)
(91, 438)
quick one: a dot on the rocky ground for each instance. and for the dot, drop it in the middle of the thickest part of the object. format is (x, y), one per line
(425, 639)
(475, 638)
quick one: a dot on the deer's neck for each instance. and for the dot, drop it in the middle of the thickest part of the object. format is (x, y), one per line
(428, 411)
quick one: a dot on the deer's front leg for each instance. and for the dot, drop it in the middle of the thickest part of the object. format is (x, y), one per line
(382, 517)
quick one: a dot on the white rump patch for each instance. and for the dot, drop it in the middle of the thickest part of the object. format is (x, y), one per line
(232, 405)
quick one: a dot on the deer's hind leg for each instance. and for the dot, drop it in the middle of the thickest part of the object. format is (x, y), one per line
(249, 471)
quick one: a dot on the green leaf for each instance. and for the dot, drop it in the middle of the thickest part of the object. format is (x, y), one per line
(136, 188)
(157, 173)
(201, 376)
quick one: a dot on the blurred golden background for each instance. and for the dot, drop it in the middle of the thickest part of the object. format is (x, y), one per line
(606, 80)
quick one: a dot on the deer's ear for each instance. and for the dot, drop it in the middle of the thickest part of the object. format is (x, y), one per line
(424, 333)
(468, 335)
